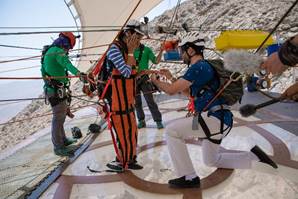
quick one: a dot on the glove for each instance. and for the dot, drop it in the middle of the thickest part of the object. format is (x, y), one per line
(83, 77)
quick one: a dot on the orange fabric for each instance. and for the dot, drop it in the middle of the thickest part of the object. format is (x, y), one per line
(170, 45)
(123, 117)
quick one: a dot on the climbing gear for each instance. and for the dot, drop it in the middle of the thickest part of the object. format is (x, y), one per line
(207, 131)
(94, 128)
(234, 91)
(123, 116)
(76, 132)
(71, 38)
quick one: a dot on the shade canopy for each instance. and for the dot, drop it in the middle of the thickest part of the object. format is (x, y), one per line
(110, 13)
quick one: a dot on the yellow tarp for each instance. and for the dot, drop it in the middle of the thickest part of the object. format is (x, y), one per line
(244, 39)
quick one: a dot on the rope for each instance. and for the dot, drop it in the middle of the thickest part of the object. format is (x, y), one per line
(173, 18)
(51, 32)
(52, 54)
(36, 98)
(22, 47)
(17, 69)
(35, 78)
(55, 27)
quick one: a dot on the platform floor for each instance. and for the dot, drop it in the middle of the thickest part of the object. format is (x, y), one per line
(273, 128)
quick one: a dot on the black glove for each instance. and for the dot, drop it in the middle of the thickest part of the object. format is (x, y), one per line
(83, 77)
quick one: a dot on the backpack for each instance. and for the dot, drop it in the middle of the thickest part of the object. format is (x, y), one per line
(234, 92)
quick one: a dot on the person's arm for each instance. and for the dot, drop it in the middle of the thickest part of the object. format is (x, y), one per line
(63, 60)
(291, 92)
(286, 56)
(288, 52)
(179, 86)
(116, 57)
(153, 58)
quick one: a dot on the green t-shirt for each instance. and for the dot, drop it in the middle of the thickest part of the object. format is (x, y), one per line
(56, 63)
(146, 56)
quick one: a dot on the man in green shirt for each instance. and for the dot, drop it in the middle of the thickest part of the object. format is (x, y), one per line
(55, 63)
(143, 55)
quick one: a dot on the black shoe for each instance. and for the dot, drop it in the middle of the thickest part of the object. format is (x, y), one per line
(115, 165)
(64, 151)
(69, 141)
(134, 166)
(263, 156)
(183, 183)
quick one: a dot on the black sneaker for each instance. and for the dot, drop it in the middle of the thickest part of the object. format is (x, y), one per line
(115, 165)
(263, 156)
(69, 141)
(183, 183)
(64, 151)
(134, 166)
(141, 124)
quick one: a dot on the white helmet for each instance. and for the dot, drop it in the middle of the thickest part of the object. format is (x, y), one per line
(136, 26)
(191, 37)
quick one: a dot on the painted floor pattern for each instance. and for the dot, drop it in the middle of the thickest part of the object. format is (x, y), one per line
(273, 130)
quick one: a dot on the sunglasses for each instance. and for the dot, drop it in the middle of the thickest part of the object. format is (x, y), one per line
(183, 49)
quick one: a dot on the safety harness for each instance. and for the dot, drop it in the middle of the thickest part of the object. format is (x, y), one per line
(120, 94)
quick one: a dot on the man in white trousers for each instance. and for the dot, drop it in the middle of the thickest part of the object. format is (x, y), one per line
(218, 118)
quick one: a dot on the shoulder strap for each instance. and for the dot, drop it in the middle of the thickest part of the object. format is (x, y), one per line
(208, 85)
(142, 47)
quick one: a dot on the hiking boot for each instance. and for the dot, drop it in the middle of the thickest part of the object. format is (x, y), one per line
(159, 125)
(141, 124)
(115, 165)
(263, 157)
(183, 183)
(64, 151)
(69, 141)
(134, 166)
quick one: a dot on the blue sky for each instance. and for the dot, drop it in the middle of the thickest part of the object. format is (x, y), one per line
(27, 13)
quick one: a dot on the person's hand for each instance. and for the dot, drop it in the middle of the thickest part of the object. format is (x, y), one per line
(154, 78)
(166, 73)
(273, 64)
(83, 77)
(291, 92)
(133, 42)
(162, 46)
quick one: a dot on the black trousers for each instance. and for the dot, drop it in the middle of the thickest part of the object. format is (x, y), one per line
(146, 88)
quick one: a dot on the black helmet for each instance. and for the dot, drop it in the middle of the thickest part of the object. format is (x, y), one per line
(76, 132)
(136, 26)
(94, 128)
